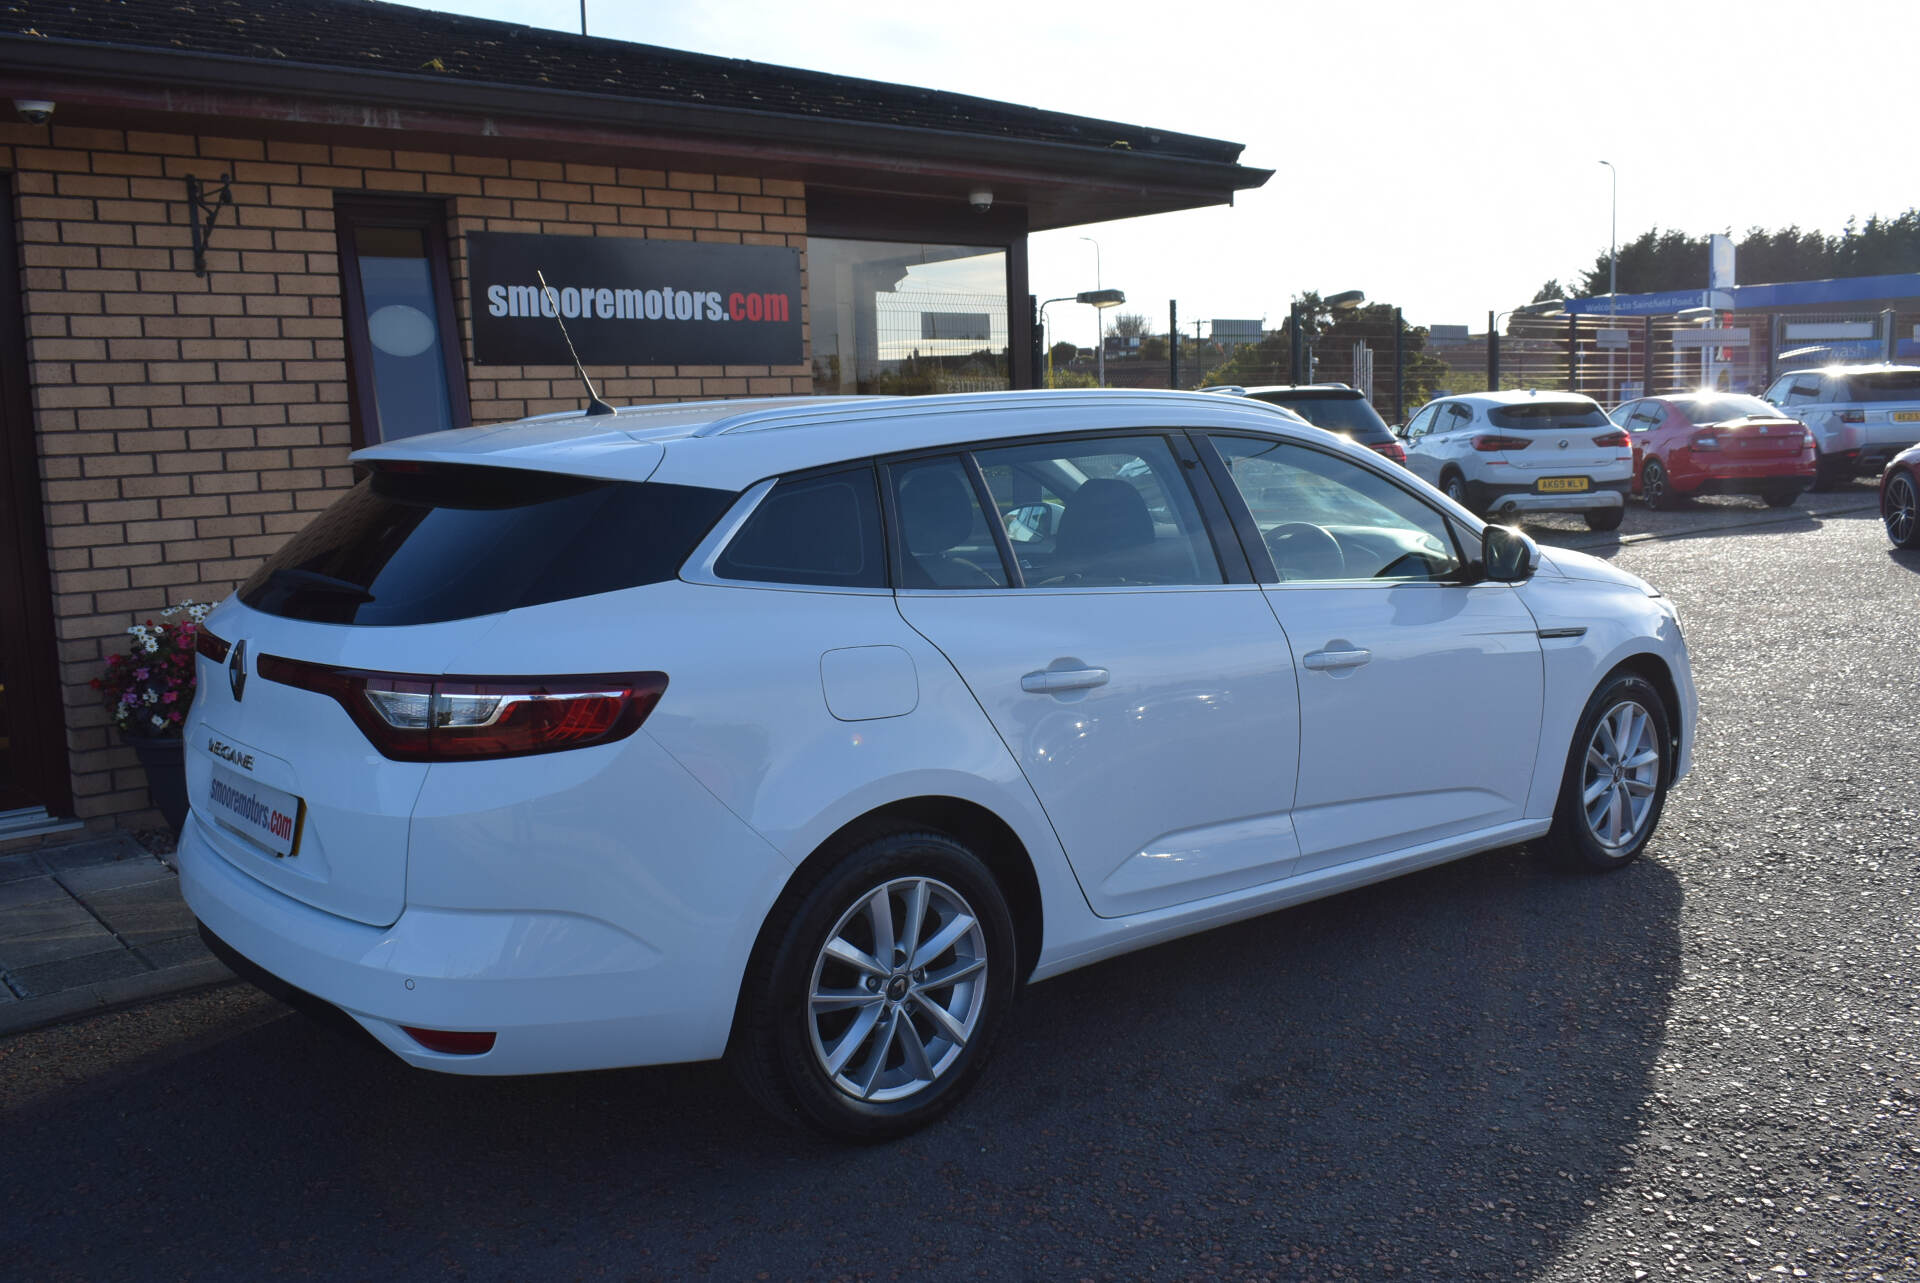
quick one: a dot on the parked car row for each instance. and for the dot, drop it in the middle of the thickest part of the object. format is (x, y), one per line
(1506, 453)
(805, 732)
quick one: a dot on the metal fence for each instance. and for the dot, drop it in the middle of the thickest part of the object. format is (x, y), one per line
(912, 342)
(1612, 359)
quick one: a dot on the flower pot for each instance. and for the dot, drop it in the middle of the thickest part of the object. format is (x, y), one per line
(163, 757)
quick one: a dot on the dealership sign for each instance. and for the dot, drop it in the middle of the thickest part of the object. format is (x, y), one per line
(633, 302)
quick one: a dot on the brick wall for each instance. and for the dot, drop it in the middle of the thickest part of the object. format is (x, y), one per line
(187, 425)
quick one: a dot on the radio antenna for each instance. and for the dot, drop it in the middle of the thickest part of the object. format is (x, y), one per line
(594, 404)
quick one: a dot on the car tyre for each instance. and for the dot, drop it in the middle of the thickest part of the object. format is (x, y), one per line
(1605, 518)
(1655, 487)
(1825, 475)
(1454, 486)
(847, 1023)
(1615, 782)
(1780, 498)
(1898, 510)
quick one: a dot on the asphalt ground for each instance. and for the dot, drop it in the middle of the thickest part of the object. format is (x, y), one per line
(1705, 1066)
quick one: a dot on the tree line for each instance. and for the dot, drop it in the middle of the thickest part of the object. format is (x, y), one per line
(1659, 260)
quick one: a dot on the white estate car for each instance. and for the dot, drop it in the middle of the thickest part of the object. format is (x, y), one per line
(808, 731)
(1861, 415)
(1510, 452)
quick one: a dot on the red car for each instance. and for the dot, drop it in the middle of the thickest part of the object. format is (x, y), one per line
(1716, 443)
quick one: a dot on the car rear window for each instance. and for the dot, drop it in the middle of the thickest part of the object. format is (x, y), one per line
(1884, 385)
(426, 543)
(1349, 414)
(1720, 409)
(1546, 416)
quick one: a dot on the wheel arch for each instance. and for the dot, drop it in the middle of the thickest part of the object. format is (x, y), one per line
(969, 823)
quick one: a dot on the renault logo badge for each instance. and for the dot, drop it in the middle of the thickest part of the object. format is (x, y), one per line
(237, 671)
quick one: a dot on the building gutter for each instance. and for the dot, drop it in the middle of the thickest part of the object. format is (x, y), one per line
(226, 87)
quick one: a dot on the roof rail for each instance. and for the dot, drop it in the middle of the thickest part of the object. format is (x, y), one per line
(801, 411)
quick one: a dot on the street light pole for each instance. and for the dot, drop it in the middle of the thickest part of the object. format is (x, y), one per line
(1100, 316)
(1613, 272)
(1613, 240)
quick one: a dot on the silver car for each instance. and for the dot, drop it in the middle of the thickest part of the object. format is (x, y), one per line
(1861, 415)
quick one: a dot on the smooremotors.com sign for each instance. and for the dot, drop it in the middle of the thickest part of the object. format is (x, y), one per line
(633, 302)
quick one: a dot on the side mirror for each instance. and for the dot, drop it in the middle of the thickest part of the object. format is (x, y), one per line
(1509, 556)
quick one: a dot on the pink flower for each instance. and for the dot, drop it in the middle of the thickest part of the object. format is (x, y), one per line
(140, 674)
(168, 698)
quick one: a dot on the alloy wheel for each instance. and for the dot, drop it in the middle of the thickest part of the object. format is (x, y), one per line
(897, 989)
(1621, 776)
(1897, 509)
(1653, 485)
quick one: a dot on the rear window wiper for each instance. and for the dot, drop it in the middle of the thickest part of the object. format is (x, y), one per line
(314, 581)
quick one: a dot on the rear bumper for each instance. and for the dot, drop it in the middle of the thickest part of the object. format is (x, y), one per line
(562, 990)
(1524, 498)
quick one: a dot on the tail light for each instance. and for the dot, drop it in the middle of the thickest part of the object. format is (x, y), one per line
(1806, 438)
(1705, 441)
(1490, 443)
(456, 719)
(1853, 416)
(214, 648)
(1393, 450)
(1614, 440)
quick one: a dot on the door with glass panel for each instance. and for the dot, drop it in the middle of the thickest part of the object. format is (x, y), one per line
(1420, 693)
(1074, 586)
(33, 743)
(403, 348)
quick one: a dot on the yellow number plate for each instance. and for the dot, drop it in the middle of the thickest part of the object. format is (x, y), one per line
(1904, 416)
(1560, 485)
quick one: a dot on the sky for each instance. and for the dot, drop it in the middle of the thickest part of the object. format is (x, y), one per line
(1441, 157)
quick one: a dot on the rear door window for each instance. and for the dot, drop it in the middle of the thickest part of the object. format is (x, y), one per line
(822, 530)
(427, 543)
(1883, 385)
(945, 541)
(1125, 514)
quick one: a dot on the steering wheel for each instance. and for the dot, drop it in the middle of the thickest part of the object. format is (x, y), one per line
(1302, 550)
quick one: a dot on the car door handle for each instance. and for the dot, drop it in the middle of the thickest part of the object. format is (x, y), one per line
(1051, 681)
(1328, 660)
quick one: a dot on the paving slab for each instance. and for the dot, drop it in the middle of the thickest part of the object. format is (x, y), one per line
(20, 864)
(73, 973)
(146, 912)
(91, 879)
(51, 932)
(24, 891)
(111, 849)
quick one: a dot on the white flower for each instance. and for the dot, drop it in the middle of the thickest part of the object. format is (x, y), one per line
(149, 644)
(159, 721)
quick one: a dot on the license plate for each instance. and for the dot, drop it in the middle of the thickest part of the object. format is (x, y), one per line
(264, 816)
(1560, 485)
(1905, 416)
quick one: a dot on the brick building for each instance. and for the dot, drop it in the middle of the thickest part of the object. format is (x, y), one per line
(237, 243)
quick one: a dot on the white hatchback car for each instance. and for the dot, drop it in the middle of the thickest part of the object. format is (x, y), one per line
(807, 731)
(1513, 452)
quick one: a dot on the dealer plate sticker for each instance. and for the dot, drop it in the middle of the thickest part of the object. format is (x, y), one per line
(1560, 485)
(265, 816)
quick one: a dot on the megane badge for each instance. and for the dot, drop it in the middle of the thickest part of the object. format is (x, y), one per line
(237, 671)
